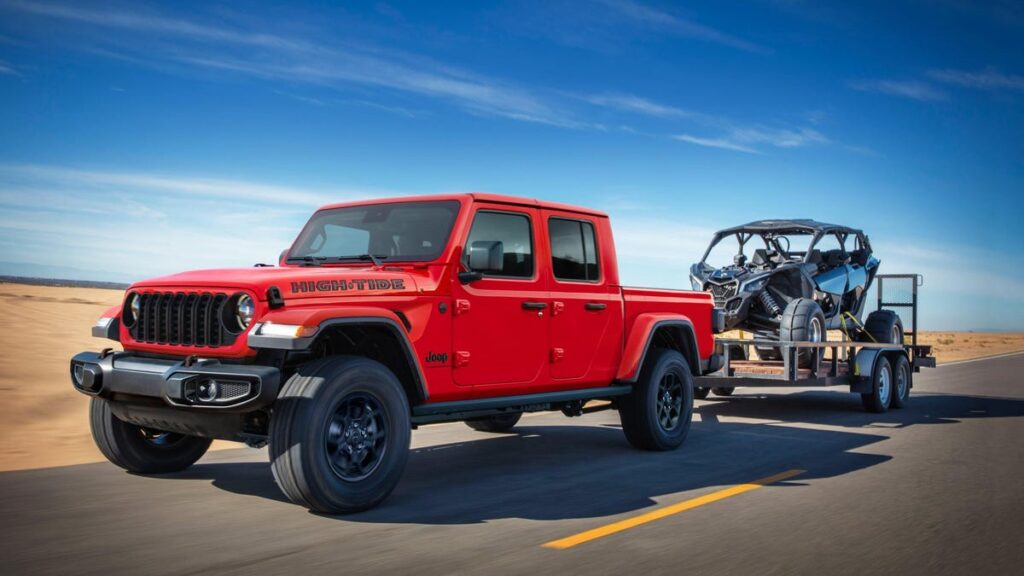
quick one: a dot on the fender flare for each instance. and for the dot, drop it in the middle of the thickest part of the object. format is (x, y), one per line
(634, 355)
(392, 324)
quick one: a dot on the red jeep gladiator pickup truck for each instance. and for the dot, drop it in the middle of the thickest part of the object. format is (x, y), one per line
(388, 314)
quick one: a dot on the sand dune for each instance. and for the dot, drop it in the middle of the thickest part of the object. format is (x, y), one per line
(43, 422)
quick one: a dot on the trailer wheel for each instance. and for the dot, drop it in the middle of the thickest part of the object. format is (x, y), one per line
(902, 377)
(656, 415)
(497, 423)
(881, 387)
(339, 435)
(701, 393)
(803, 321)
(142, 450)
(722, 391)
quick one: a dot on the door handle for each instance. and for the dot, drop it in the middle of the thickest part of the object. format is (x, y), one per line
(534, 305)
(595, 306)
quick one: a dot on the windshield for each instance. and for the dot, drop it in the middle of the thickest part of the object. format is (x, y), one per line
(401, 231)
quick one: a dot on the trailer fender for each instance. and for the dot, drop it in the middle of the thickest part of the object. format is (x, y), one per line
(864, 366)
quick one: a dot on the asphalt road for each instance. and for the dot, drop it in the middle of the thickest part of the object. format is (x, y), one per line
(934, 489)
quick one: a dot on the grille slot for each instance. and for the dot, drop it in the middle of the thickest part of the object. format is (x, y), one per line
(722, 292)
(182, 319)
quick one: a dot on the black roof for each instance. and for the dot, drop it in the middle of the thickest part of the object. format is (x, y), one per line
(798, 226)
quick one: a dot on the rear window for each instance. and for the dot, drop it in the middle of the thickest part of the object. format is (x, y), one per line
(573, 250)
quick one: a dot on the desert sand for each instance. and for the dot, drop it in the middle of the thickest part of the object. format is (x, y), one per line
(43, 422)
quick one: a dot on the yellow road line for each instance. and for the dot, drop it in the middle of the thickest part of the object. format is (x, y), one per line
(614, 527)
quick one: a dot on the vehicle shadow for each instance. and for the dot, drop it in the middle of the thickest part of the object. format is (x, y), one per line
(576, 471)
(844, 409)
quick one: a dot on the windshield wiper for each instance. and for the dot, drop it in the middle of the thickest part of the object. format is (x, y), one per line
(373, 258)
(308, 260)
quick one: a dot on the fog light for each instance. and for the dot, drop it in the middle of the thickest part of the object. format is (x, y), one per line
(207, 391)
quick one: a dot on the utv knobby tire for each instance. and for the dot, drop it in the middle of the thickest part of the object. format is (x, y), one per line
(723, 391)
(304, 426)
(141, 450)
(701, 393)
(639, 413)
(884, 327)
(803, 321)
(497, 423)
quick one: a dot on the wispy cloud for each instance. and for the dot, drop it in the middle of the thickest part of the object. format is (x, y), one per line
(651, 17)
(987, 79)
(270, 56)
(6, 68)
(723, 143)
(913, 89)
(639, 105)
(164, 222)
(746, 139)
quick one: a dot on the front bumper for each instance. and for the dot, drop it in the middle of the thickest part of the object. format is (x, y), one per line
(202, 385)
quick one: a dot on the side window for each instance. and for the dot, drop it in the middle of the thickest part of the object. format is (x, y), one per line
(573, 250)
(513, 231)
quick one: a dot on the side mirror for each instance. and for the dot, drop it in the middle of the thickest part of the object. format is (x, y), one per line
(486, 256)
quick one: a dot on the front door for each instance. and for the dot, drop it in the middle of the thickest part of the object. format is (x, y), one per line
(501, 324)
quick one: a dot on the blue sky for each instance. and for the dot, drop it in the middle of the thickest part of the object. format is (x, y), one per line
(141, 139)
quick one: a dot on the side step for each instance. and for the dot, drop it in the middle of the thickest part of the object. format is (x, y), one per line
(463, 409)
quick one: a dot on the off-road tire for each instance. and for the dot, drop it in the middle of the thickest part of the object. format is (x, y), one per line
(701, 393)
(498, 423)
(723, 391)
(798, 325)
(884, 327)
(878, 399)
(646, 427)
(309, 435)
(141, 450)
(902, 381)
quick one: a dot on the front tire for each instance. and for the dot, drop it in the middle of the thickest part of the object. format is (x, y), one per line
(142, 450)
(339, 435)
(656, 415)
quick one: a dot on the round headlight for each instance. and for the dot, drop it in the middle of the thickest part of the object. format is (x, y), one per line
(244, 310)
(132, 309)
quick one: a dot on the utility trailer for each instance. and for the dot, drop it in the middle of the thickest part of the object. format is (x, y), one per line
(882, 373)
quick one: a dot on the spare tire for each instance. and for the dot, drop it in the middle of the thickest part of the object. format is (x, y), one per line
(884, 327)
(803, 321)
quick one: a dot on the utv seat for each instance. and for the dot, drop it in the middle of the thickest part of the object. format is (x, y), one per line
(835, 258)
(860, 257)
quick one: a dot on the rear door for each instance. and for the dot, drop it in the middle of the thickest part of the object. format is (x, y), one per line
(586, 310)
(501, 321)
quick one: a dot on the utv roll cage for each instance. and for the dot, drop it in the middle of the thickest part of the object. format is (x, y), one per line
(771, 230)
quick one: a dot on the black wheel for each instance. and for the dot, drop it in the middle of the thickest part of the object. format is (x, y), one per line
(803, 321)
(657, 414)
(142, 450)
(881, 387)
(339, 435)
(721, 391)
(701, 393)
(902, 380)
(497, 423)
(884, 327)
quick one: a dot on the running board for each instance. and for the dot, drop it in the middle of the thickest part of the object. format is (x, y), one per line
(463, 409)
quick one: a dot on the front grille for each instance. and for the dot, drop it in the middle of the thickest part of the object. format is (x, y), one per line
(182, 318)
(721, 292)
